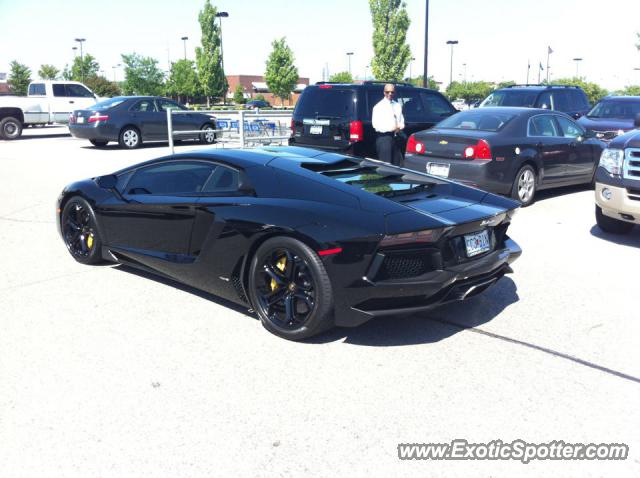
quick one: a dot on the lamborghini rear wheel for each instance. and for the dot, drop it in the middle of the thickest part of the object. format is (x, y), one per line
(290, 289)
(80, 231)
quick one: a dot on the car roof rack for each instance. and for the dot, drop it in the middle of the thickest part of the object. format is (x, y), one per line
(541, 86)
(380, 82)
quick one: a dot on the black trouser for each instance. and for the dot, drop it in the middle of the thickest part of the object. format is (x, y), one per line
(388, 148)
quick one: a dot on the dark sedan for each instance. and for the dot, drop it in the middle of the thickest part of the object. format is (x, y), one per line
(511, 151)
(255, 104)
(307, 239)
(131, 120)
(612, 116)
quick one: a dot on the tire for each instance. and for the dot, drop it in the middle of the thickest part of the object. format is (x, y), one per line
(80, 231)
(130, 138)
(98, 143)
(302, 298)
(210, 136)
(524, 185)
(611, 225)
(10, 128)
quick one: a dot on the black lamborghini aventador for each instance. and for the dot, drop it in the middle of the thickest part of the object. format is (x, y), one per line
(306, 238)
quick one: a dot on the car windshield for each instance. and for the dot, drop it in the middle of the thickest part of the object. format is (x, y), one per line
(108, 104)
(326, 101)
(511, 98)
(477, 120)
(619, 109)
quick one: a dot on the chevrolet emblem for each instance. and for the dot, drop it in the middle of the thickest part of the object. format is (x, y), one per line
(444, 142)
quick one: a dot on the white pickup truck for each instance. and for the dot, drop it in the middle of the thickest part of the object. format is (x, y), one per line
(47, 102)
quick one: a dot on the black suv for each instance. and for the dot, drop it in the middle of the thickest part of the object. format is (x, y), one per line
(568, 99)
(337, 116)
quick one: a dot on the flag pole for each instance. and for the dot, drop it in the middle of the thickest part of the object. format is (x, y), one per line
(528, 69)
(548, 52)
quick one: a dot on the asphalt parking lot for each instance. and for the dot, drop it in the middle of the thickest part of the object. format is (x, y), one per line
(105, 371)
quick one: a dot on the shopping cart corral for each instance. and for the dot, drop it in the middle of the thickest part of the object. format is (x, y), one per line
(240, 128)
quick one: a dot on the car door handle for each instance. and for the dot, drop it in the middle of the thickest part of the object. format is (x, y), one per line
(71, 101)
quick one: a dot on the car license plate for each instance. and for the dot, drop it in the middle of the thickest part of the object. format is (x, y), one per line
(477, 243)
(315, 129)
(80, 119)
(438, 169)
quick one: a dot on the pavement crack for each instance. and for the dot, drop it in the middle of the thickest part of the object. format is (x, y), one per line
(539, 348)
(33, 221)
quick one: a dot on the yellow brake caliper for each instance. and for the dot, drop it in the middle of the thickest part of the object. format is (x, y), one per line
(90, 240)
(282, 265)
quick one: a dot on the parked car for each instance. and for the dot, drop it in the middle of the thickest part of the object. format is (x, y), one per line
(46, 102)
(511, 151)
(460, 104)
(131, 120)
(618, 184)
(253, 104)
(306, 238)
(612, 116)
(337, 116)
(571, 100)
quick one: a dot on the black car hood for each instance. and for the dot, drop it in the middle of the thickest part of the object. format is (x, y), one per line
(627, 140)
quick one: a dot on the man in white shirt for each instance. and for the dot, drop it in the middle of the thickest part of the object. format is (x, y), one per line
(388, 122)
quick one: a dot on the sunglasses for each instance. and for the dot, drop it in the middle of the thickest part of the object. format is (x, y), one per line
(389, 92)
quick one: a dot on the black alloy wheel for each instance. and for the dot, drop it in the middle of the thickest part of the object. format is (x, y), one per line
(290, 289)
(80, 232)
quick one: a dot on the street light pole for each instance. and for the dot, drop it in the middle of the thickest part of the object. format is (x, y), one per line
(222, 15)
(577, 60)
(451, 42)
(184, 43)
(114, 71)
(81, 41)
(425, 78)
(349, 55)
(465, 72)
(410, 65)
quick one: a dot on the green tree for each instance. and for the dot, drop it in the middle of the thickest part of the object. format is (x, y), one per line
(238, 95)
(391, 54)
(470, 91)
(631, 90)
(281, 74)
(213, 82)
(260, 97)
(431, 83)
(142, 76)
(101, 86)
(19, 78)
(48, 72)
(341, 77)
(504, 84)
(183, 80)
(83, 68)
(594, 91)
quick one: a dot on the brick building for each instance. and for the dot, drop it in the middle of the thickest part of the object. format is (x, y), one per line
(253, 85)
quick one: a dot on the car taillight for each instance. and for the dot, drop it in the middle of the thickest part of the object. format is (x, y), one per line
(414, 146)
(96, 117)
(324, 87)
(293, 126)
(427, 235)
(356, 131)
(480, 150)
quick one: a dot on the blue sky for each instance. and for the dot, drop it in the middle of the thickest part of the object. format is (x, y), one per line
(497, 37)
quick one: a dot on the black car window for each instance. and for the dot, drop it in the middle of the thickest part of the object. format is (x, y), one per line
(580, 100)
(59, 90)
(222, 180)
(619, 109)
(173, 178)
(436, 107)
(166, 104)
(561, 100)
(569, 128)
(478, 119)
(542, 125)
(412, 108)
(144, 106)
(326, 101)
(511, 98)
(37, 89)
(78, 91)
(544, 100)
(108, 104)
